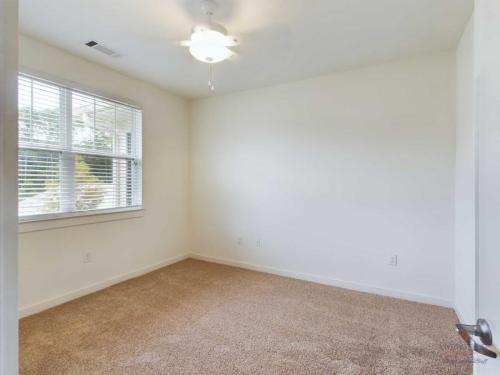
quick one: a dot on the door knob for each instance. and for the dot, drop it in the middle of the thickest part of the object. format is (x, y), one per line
(482, 331)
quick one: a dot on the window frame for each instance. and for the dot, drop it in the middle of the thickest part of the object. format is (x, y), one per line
(113, 213)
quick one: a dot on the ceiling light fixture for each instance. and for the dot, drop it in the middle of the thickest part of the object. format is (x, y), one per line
(209, 45)
(209, 42)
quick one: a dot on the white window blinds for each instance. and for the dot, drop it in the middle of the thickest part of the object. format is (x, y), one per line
(77, 152)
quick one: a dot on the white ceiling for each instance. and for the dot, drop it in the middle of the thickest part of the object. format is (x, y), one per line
(281, 40)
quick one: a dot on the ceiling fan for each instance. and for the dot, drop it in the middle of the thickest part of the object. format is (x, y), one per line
(209, 42)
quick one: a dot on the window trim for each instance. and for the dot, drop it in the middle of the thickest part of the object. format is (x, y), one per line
(27, 222)
(89, 218)
(64, 215)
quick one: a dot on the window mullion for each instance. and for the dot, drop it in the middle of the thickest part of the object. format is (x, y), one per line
(68, 157)
(117, 165)
(137, 146)
(31, 110)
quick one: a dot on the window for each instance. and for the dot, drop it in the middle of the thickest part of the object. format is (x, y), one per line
(78, 153)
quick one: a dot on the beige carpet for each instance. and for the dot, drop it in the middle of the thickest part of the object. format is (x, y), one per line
(201, 318)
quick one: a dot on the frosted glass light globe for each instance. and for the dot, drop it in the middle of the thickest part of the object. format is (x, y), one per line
(210, 46)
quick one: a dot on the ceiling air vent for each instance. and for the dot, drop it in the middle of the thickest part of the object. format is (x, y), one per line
(103, 49)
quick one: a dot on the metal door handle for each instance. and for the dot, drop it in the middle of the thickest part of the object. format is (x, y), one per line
(482, 331)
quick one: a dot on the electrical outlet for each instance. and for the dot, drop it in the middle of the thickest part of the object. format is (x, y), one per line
(240, 241)
(87, 257)
(393, 260)
(258, 243)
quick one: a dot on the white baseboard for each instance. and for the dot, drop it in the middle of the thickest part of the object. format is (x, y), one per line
(328, 281)
(51, 302)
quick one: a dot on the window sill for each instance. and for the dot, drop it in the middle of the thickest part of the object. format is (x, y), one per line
(72, 220)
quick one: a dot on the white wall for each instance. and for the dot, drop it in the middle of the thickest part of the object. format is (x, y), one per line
(51, 268)
(333, 174)
(8, 187)
(465, 185)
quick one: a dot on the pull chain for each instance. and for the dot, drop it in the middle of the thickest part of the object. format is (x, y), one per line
(211, 82)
